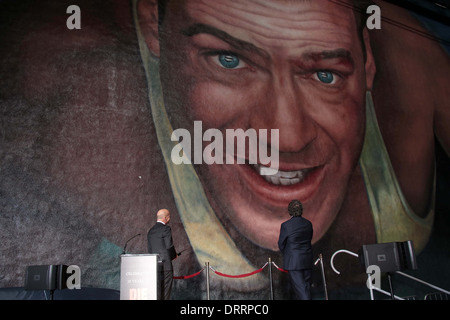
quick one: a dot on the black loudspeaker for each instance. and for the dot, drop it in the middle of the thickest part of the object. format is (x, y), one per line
(390, 256)
(41, 277)
(409, 255)
(46, 277)
(61, 277)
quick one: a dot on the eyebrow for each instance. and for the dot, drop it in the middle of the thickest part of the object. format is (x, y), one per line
(340, 53)
(199, 28)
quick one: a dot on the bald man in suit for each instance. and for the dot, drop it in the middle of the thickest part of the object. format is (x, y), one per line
(295, 244)
(160, 242)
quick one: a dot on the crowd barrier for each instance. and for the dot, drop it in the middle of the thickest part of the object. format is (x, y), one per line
(441, 293)
(269, 263)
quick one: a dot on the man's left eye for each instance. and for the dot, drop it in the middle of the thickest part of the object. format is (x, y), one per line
(326, 77)
(229, 61)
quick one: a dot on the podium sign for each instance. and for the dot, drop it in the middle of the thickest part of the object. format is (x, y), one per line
(138, 276)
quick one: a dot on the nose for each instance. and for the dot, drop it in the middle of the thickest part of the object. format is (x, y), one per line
(285, 107)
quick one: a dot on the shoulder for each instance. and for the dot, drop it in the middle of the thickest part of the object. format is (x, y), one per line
(306, 221)
(165, 228)
(157, 227)
(301, 221)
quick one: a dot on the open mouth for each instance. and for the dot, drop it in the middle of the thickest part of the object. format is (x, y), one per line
(284, 178)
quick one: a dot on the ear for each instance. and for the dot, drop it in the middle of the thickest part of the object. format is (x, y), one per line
(148, 22)
(370, 66)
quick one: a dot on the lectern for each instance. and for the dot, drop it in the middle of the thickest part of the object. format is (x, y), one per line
(139, 276)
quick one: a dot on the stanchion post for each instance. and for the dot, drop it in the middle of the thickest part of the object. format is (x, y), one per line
(369, 284)
(207, 280)
(323, 277)
(390, 286)
(270, 278)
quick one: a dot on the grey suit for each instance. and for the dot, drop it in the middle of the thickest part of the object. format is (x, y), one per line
(159, 239)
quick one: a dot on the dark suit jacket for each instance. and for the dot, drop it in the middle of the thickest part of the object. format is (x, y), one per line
(159, 239)
(295, 244)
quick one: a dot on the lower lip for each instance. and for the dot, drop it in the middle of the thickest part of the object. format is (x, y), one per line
(279, 195)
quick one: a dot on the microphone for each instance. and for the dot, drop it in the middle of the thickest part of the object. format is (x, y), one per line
(126, 243)
(179, 253)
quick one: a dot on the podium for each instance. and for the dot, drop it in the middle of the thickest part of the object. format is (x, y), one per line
(139, 276)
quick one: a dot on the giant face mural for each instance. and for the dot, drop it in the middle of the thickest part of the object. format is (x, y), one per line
(88, 117)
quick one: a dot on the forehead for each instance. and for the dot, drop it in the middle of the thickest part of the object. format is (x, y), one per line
(270, 23)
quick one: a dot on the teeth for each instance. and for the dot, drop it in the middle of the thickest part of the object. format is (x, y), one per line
(288, 174)
(284, 178)
(285, 182)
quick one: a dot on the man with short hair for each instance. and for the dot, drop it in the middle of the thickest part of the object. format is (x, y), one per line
(160, 242)
(295, 244)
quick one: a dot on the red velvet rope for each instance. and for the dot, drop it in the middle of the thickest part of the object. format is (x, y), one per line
(228, 275)
(280, 269)
(189, 276)
(238, 276)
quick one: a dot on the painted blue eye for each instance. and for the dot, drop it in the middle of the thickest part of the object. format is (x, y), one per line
(325, 76)
(228, 61)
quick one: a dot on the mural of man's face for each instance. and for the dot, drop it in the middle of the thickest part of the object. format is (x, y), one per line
(295, 66)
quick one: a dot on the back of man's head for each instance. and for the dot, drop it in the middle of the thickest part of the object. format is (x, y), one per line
(295, 208)
(162, 213)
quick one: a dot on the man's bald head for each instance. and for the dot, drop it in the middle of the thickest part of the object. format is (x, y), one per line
(163, 215)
